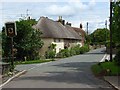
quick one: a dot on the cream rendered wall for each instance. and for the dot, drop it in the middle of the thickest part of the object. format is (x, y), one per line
(80, 43)
(59, 45)
(47, 43)
(74, 44)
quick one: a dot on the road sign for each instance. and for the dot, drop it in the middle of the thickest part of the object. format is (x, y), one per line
(10, 28)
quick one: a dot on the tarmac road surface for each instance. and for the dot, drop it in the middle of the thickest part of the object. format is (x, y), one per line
(72, 72)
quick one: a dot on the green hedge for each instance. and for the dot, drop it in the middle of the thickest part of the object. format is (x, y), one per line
(50, 54)
(76, 50)
(64, 53)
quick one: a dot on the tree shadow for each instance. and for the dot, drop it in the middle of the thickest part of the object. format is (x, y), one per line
(73, 72)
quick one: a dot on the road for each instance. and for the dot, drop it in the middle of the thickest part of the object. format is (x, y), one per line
(72, 72)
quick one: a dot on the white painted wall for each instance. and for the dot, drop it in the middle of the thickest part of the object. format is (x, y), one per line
(59, 45)
(80, 43)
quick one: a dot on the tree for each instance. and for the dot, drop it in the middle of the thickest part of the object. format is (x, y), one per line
(27, 42)
(99, 36)
(116, 29)
(116, 22)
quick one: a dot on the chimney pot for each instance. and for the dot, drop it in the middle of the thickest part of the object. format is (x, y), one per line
(81, 26)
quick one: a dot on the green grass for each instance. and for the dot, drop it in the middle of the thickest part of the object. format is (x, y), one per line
(114, 69)
(32, 61)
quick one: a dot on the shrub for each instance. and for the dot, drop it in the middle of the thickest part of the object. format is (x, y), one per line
(50, 54)
(84, 49)
(107, 44)
(81, 50)
(72, 52)
(117, 58)
(76, 50)
(64, 53)
(106, 60)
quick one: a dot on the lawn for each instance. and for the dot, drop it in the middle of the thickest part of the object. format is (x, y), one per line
(32, 61)
(106, 68)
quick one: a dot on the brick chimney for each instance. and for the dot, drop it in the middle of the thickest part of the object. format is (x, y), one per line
(68, 23)
(81, 25)
(61, 20)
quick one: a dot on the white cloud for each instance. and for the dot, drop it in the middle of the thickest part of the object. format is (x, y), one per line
(0, 15)
(52, 0)
(59, 10)
(71, 8)
(74, 11)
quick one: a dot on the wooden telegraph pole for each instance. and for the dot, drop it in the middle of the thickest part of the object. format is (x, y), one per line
(10, 28)
(110, 30)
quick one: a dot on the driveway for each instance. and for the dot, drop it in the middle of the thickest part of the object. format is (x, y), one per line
(72, 72)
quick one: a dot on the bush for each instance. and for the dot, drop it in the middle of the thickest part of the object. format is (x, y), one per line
(73, 51)
(84, 49)
(64, 53)
(107, 44)
(76, 49)
(50, 54)
(117, 58)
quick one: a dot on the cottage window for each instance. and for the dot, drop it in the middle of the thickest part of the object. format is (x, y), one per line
(54, 40)
(57, 40)
(59, 49)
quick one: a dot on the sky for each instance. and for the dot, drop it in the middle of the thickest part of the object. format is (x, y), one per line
(95, 12)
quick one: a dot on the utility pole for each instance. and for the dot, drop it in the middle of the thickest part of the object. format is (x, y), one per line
(27, 13)
(106, 24)
(110, 30)
(106, 29)
(87, 28)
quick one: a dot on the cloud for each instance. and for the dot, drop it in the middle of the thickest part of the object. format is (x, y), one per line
(59, 10)
(51, 0)
(71, 8)
(74, 11)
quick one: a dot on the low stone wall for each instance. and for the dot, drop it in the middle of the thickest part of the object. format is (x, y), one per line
(4, 67)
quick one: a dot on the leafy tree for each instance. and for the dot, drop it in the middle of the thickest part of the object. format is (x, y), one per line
(99, 36)
(6, 44)
(116, 29)
(27, 42)
(116, 22)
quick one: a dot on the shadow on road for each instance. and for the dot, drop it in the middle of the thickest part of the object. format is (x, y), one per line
(74, 73)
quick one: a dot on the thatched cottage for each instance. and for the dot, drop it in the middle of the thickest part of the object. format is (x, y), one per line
(59, 33)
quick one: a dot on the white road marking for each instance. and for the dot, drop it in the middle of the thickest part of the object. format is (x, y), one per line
(12, 78)
(103, 59)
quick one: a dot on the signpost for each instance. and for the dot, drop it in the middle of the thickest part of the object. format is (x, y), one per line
(10, 29)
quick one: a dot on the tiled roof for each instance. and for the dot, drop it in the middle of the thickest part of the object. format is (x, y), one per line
(79, 30)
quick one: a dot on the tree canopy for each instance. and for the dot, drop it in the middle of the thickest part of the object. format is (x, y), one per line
(116, 22)
(27, 42)
(99, 36)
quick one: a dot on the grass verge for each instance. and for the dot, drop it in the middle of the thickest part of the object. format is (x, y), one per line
(106, 69)
(32, 62)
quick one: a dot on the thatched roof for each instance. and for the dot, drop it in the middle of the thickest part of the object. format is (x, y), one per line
(54, 29)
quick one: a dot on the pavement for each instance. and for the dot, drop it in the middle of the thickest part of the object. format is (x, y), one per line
(113, 80)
